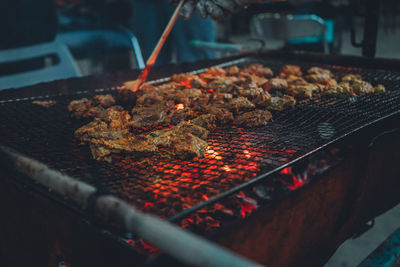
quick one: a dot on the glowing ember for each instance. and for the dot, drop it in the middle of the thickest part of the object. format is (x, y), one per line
(180, 106)
(186, 83)
(297, 181)
(227, 168)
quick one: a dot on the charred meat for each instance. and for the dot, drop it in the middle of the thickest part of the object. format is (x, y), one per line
(254, 118)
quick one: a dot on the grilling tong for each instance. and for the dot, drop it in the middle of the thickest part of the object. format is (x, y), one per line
(135, 85)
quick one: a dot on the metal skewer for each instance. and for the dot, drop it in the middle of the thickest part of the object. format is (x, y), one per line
(153, 57)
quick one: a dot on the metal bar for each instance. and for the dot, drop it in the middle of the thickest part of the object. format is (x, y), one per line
(180, 244)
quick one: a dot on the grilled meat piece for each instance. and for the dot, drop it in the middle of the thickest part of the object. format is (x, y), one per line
(181, 128)
(259, 70)
(136, 146)
(222, 115)
(116, 117)
(295, 80)
(216, 71)
(350, 78)
(183, 140)
(83, 108)
(318, 70)
(186, 146)
(149, 98)
(221, 98)
(362, 87)
(106, 137)
(282, 103)
(276, 84)
(291, 70)
(234, 70)
(99, 129)
(253, 80)
(189, 80)
(254, 118)
(148, 116)
(318, 75)
(44, 103)
(303, 91)
(341, 90)
(207, 121)
(105, 101)
(223, 86)
(239, 105)
(379, 88)
(257, 96)
(178, 115)
(321, 78)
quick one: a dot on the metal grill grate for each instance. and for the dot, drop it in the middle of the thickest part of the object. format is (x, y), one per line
(166, 187)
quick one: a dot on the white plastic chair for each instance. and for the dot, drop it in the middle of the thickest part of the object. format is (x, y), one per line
(65, 66)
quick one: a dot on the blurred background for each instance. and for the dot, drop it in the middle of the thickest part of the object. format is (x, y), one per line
(112, 35)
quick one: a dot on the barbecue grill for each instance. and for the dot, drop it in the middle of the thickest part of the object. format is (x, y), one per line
(316, 166)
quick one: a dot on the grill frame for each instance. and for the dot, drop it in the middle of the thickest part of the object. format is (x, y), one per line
(260, 177)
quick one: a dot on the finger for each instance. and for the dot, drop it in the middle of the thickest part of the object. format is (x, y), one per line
(201, 8)
(229, 5)
(214, 10)
(188, 9)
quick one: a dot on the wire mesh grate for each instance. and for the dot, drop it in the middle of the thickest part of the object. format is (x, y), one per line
(166, 187)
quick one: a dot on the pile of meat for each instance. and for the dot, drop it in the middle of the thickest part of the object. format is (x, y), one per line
(195, 104)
